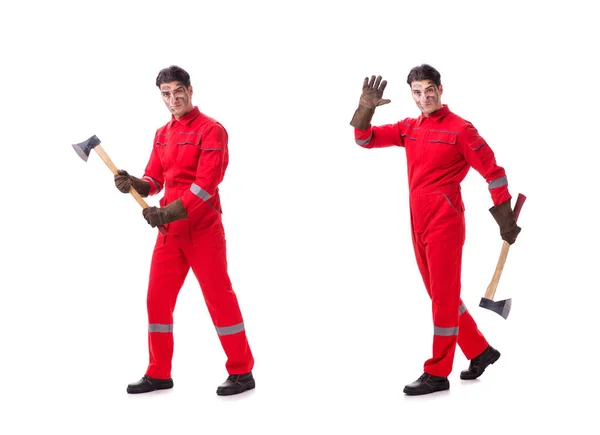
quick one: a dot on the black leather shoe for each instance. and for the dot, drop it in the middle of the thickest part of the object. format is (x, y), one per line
(480, 363)
(147, 384)
(236, 384)
(427, 384)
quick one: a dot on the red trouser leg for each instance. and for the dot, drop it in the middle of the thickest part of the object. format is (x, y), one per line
(439, 262)
(167, 275)
(470, 340)
(207, 257)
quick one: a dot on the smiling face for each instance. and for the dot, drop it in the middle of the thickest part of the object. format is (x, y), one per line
(177, 98)
(427, 96)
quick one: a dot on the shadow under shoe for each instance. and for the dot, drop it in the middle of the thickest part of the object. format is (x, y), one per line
(427, 384)
(236, 384)
(147, 384)
(478, 364)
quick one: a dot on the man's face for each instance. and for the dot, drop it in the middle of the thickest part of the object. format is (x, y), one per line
(177, 98)
(427, 95)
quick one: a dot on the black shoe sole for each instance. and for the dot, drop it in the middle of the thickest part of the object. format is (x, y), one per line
(470, 377)
(133, 391)
(442, 387)
(232, 392)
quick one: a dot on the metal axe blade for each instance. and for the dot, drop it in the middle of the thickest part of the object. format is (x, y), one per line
(83, 149)
(500, 307)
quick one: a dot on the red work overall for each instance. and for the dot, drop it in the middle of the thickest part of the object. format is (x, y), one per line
(189, 159)
(440, 150)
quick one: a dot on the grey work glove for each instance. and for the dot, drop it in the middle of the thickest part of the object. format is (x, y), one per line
(372, 93)
(124, 182)
(156, 216)
(505, 218)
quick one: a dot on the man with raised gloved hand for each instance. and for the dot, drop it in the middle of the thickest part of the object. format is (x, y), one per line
(188, 158)
(440, 147)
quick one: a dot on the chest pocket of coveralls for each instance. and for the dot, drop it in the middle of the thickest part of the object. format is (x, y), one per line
(441, 147)
(188, 150)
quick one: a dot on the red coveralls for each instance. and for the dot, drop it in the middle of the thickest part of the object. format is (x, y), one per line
(189, 159)
(440, 150)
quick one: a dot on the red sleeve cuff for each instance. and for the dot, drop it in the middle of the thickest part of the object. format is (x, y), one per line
(500, 195)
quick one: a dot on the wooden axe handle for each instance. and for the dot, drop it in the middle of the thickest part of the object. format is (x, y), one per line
(100, 151)
(491, 290)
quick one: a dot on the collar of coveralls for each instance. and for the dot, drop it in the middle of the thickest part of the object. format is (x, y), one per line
(438, 114)
(188, 117)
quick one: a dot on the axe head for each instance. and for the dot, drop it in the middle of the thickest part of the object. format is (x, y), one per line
(83, 149)
(500, 307)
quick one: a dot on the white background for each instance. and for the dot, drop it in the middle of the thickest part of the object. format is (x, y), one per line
(318, 232)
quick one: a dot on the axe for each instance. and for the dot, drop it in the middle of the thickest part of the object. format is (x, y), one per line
(487, 301)
(83, 150)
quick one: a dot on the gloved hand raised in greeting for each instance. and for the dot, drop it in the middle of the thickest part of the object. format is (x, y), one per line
(505, 218)
(124, 181)
(156, 216)
(372, 93)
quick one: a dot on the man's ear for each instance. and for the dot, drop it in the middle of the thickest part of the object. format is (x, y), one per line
(191, 90)
(441, 89)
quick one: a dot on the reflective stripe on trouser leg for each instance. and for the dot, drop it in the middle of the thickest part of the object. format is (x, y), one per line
(167, 274)
(160, 327)
(209, 263)
(228, 330)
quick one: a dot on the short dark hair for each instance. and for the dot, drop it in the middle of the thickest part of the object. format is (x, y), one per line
(424, 72)
(173, 73)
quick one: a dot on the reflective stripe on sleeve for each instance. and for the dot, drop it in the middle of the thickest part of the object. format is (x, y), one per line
(200, 192)
(502, 181)
(462, 308)
(229, 330)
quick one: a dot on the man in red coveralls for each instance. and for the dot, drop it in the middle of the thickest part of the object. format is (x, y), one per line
(188, 159)
(441, 147)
